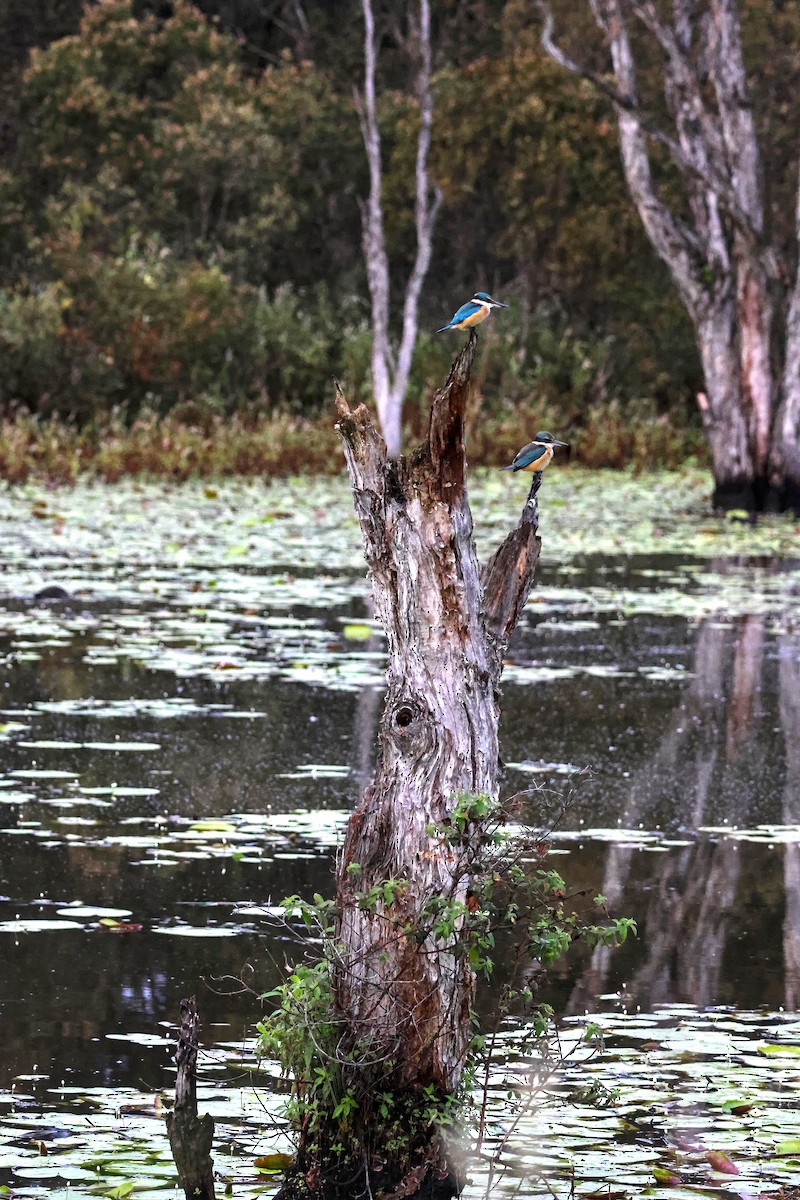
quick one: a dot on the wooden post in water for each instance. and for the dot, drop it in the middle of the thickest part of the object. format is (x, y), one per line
(190, 1136)
(403, 993)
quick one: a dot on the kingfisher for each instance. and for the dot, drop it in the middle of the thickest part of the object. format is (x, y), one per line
(536, 455)
(473, 312)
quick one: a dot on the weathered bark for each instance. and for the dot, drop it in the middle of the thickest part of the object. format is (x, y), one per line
(438, 734)
(721, 260)
(404, 995)
(190, 1136)
(724, 420)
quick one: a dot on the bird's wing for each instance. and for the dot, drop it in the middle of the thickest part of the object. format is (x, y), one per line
(527, 455)
(466, 310)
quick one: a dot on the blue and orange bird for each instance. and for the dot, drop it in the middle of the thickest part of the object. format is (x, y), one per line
(473, 312)
(536, 455)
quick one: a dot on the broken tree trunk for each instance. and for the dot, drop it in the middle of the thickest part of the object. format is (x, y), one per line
(403, 988)
(190, 1136)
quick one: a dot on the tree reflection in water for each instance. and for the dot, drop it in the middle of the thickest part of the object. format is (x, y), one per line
(715, 749)
(789, 675)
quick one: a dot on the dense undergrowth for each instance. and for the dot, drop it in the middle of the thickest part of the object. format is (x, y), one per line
(253, 442)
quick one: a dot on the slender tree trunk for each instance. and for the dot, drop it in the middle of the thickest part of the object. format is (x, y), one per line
(403, 989)
(373, 237)
(390, 372)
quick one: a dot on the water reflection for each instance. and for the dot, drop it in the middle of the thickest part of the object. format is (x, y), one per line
(703, 901)
(789, 707)
(689, 727)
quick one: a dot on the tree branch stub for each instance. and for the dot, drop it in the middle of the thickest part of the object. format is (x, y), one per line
(507, 577)
(190, 1136)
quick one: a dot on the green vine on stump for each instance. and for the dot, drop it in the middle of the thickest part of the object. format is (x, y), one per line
(511, 894)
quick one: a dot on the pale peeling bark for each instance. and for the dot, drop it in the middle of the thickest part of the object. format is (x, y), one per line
(374, 241)
(721, 261)
(724, 420)
(404, 999)
(752, 257)
(390, 373)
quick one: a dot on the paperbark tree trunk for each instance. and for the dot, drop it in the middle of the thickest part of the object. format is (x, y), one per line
(720, 257)
(724, 418)
(785, 453)
(403, 990)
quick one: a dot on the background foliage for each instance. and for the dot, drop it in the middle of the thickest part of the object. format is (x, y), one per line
(179, 213)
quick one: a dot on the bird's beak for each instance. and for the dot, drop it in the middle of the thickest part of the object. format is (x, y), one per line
(557, 443)
(497, 304)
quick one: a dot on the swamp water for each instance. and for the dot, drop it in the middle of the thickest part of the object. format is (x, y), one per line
(181, 738)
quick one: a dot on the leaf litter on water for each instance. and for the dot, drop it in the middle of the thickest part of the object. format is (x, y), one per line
(184, 604)
(125, 1137)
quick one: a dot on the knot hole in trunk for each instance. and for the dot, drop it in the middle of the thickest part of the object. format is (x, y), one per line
(406, 717)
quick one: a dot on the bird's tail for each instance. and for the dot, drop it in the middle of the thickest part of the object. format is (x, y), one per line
(510, 467)
(444, 327)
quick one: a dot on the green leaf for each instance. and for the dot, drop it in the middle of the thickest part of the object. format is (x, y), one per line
(358, 632)
(273, 1162)
(666, 1178)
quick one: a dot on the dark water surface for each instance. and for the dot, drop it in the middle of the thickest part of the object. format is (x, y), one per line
(183, 736)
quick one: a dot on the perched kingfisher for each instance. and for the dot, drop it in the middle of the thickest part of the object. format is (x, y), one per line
(473, 312)
(536, 455)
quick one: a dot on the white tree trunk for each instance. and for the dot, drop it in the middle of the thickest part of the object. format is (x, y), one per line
(721, 263)
(390, 376)
(374, 240)
(755, 315)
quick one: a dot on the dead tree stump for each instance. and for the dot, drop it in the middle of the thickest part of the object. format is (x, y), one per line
(190, 1136)
(403, 989)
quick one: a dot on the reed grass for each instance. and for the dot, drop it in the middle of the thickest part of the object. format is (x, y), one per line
(274, 444)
